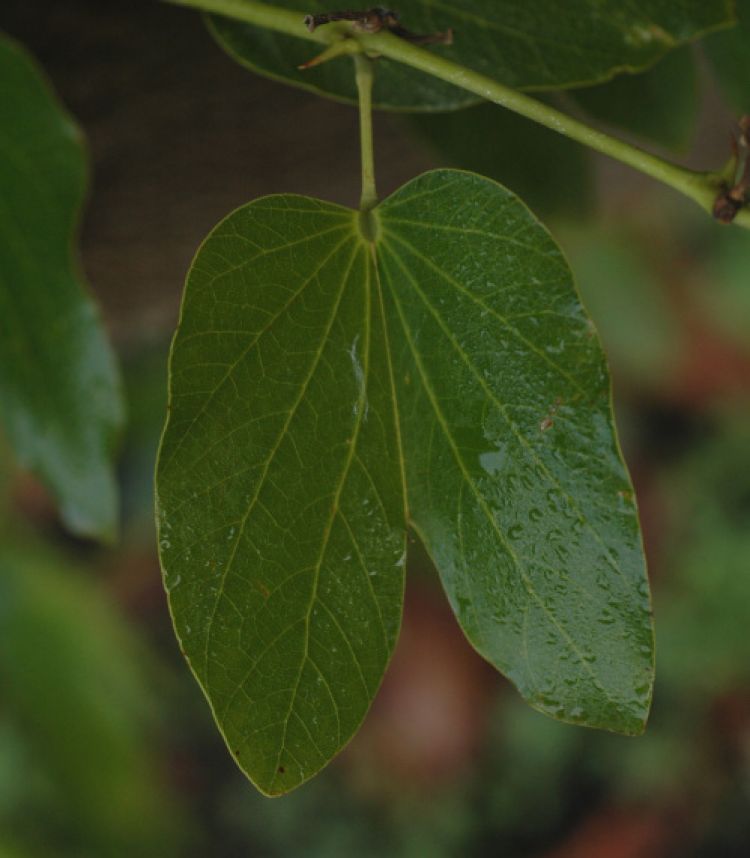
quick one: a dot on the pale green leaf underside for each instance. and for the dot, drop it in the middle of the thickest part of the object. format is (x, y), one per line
(310, 374)
(60, 400)
(527, 45)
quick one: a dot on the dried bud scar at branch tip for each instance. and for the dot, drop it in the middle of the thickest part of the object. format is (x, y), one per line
(731, 200)
(369, 21)
(373, 21)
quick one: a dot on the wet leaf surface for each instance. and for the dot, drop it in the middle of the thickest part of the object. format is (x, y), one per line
(309, 370)
(515, 481)
(280, 488)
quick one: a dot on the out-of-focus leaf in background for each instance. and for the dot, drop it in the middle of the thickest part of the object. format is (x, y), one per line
(621, 288)
(659, 105)
(144, 380)
(730, 56)
(541, 45)
(76, 715)
(549, 172)
(705, 613)
(60, 402)
(722, 291)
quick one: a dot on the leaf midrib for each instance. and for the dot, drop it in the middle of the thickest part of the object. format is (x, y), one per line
(282, 434)
(334, 512)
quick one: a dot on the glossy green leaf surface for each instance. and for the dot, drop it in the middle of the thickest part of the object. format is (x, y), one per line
(280, 494)
(515, 480)
(729, 53)
(660, 105)
(540, 45)
(59, 391)
(312, 371)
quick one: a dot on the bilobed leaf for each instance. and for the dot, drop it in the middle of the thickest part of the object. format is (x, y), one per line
(59, 391)
(541, 45)
(312, 371)
(280, 492)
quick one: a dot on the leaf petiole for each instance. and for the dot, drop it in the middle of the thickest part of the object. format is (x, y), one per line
(701, 187)
(365, 76)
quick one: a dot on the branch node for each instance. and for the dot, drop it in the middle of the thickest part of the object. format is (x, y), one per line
(732, 200)
(374, 20)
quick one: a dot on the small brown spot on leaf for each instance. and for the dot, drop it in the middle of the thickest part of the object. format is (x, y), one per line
(549, 421)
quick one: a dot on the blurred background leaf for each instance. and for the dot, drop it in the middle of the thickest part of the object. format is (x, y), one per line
(76, 712)
(659, 105)
(620, 285)
(730, 56)
(549, 172)
(60, 400)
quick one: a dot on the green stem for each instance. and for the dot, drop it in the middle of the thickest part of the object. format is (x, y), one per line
(690, 183)
(364, 67)
(263, 15)
(700, 187)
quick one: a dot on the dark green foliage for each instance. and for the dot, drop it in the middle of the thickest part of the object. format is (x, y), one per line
(730, 55)
(60, 400)
(310, 369)
(540, 45)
